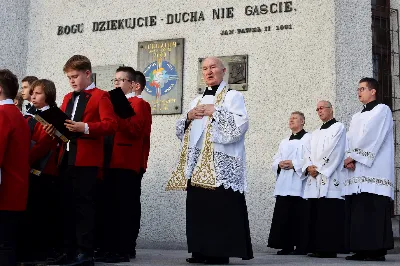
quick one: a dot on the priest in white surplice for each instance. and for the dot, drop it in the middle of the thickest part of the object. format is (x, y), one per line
(323, 186)
(289, 222)
(212, 168)
(369, 188)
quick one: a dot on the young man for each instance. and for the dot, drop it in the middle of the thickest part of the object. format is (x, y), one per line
(27, 82)
(323, 186)
(213, 170)
(123, 178)
(92, 118)
(40, 233)
(369, 188)
(14, 166)
(289, 221)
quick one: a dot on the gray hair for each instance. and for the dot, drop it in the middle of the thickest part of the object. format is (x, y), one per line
(300, 114)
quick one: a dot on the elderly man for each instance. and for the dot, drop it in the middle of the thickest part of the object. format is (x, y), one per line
(323, 187)
(212, 168)
(289, 221)
(369, 189)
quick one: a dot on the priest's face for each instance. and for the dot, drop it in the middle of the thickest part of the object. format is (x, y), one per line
(324, 111)
(38, 97)
(79, 79)
(296, 122)
(366, 94)
(122, 80)
(213, 71)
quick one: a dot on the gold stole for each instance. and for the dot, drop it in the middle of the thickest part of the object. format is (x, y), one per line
(204, 171)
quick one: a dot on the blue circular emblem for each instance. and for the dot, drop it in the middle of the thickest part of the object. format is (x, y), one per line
(161, 78)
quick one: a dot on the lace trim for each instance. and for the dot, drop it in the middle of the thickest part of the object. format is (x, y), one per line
(224, 128)
(230, 172)
(369, 180)
(192, 157)
(361, 152)
(180, 128)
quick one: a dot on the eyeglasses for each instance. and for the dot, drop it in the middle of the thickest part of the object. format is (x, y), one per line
(119, 80)
(361, 89)
(321, 108)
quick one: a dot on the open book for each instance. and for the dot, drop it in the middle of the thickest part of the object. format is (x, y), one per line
(55, 117)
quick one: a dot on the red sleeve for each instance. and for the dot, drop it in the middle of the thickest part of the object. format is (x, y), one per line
(134, 125)
(65, 102)
(4, 133)
(108, 120)
(43, 146)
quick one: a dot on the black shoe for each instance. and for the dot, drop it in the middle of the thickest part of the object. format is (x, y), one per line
(284, 252)
(53, 257)
(297, 252)
(379, 258)
(217, 260)
(81, 259)
(356, 256)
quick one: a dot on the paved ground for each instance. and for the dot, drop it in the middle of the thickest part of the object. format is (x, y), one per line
(147, 257)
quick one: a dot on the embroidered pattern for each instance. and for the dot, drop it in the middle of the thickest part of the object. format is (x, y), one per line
(192, 157)
(225, 130)
(369, 180)
(180, 128)
(230, 172)
(336, 182)
(367, 154)
(326, 160)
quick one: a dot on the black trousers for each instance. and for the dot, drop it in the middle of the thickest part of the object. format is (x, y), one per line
(327, 225)
(40, 225)
(289, 224)
(79, 208)
(123, 209)
(369, 224)
(8, 237)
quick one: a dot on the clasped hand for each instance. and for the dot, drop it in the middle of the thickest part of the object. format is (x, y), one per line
(200, 111)
(286, 165)
(349, 164)
(312, 170)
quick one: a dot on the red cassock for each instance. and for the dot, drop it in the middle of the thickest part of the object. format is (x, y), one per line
(44, 144)
(95, 109)
(14, 158)
(127, 152)
(146, 137)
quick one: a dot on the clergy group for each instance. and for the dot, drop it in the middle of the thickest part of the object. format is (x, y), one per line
(334, 189)
(70, 190)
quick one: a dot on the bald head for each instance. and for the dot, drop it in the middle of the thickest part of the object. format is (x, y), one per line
(213, 71)
(325, 110)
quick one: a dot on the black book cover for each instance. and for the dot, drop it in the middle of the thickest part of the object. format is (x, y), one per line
(57, 118)
(122, 107)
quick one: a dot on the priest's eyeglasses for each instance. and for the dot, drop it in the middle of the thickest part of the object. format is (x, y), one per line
(321, 108)
(361, 89)
(120, 80)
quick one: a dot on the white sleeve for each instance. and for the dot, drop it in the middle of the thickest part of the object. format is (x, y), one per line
(299, 162)
(365, 147)
(230, 121)
(307, 155)
(277, 159)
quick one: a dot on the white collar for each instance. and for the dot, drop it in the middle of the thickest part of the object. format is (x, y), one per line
(44, 108)
(139, 96)
(6, 101)
(91, 86)
(130, 95)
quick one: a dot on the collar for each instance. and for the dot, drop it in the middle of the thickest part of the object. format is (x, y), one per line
(130, 95)
(139, 96)
(44, 108)
(6, 101)
(328, 123)
(298, 135)
(91, 86)
(369, 106)
(214, 90)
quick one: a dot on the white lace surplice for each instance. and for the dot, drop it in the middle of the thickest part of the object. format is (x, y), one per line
(229, 125)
